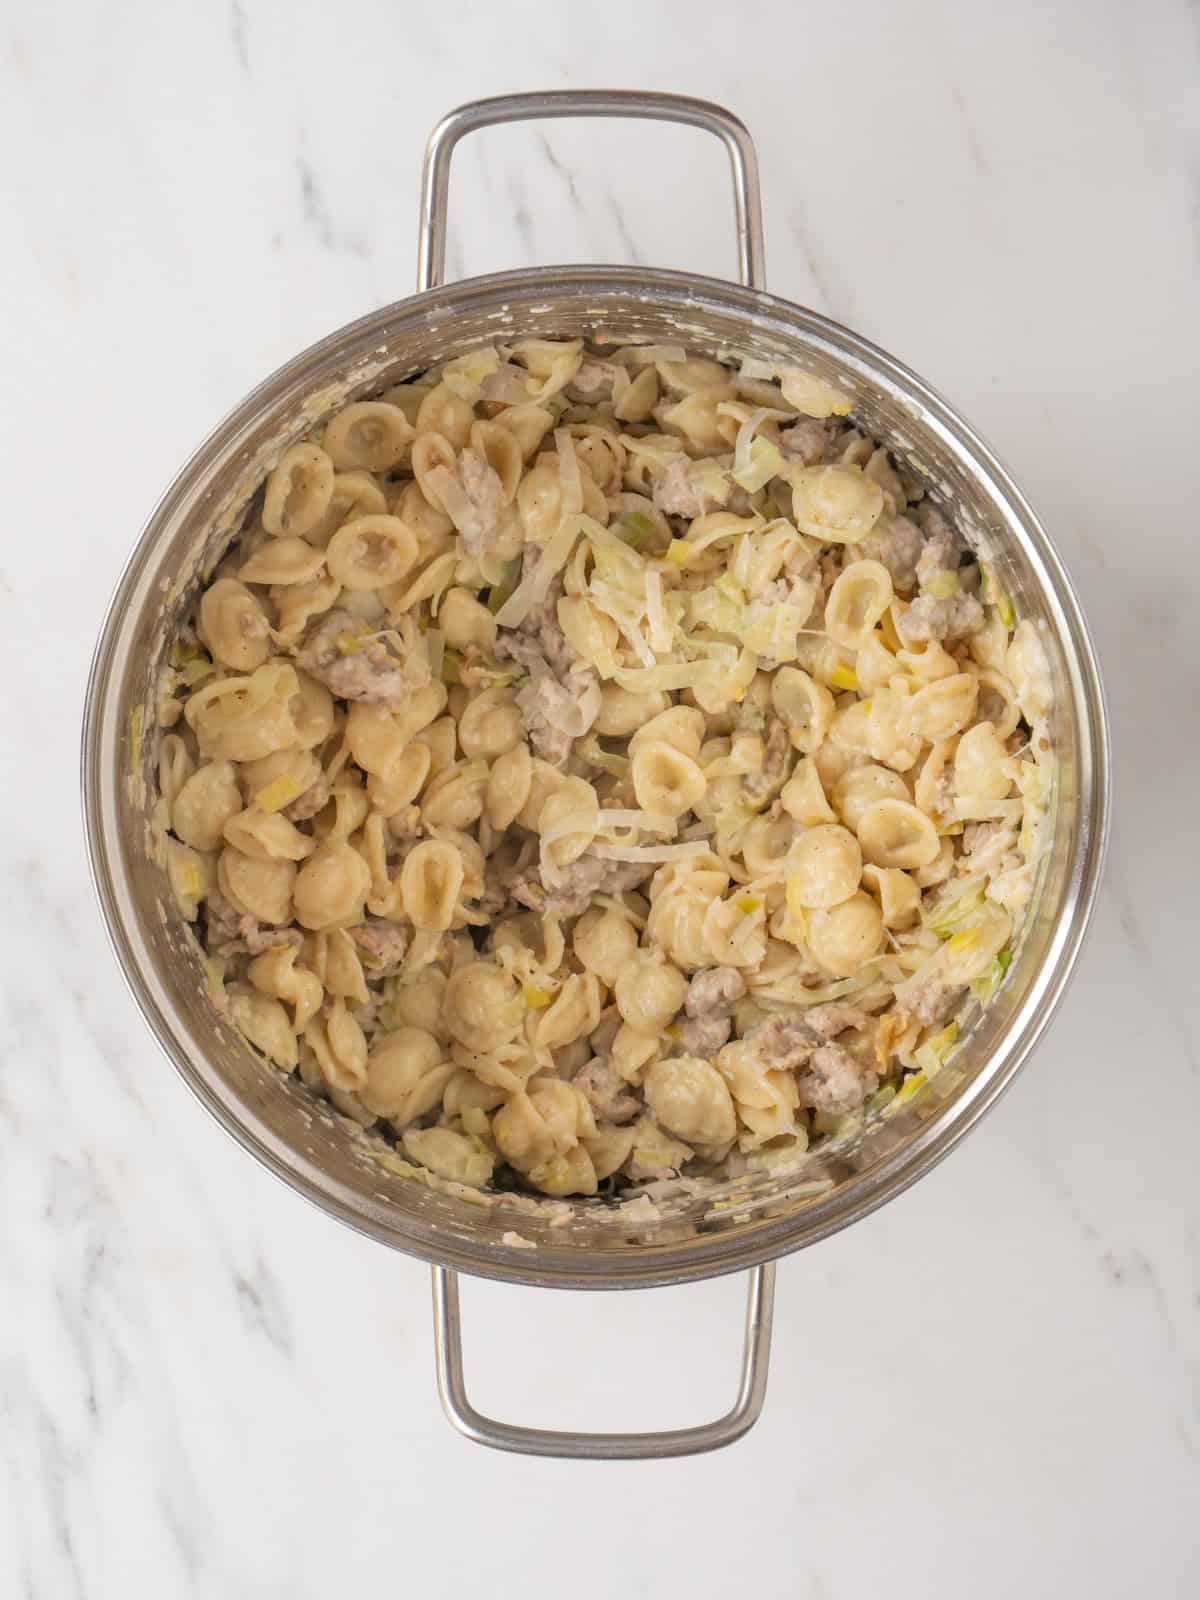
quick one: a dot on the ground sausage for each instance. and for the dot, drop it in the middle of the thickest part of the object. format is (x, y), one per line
(714, 991)
(562, 688)
(226, 927)
(479, 521)
(835, 1017)
(782, 1042)
(929, 1000)
(702, 1036)
(806, 441)
(942, 546)
(897, 543)
(834, 1081)
(382, 946)
(673, 492)
(606, 1091)
(577, 883)
(542, 704)
(761, 786)
(950, 619)
(368, 671)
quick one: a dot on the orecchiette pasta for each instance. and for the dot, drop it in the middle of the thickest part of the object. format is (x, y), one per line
(298, 491)
(190, 874)
(265, 1023)
(481, 1006)
(355, 494)
(447, 414)
(665, 781)
(944, 707)
(204, 804)
(368, 436)
(243, 719)
(803, 795)
(824, 867)
(257, 888)
(268, 836)
(623, 711)
(649, 992)
(894, 833)
(275, 973)
(234, 626)
(859, 788)
(283, 562)
(898, 895)
(836, 504)
(844, 936)
(465, 622)
(859, 597)
(509, 784)
(566, 724)
(567, 822)
(804, 706)
(400, 1066)
(430, 884)
(690, 1098)
(451, 1155)
(371, 552)
(331, 886)
(490, 725)
(605, 942)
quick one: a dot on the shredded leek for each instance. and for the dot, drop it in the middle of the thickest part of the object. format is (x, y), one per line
(843, 677)
(191, 880)
(796, 909)
(931, 1055)
(992, 594)
(535, 997)
(499, 592)
(678, 551)
(763, 461)
(954, 912)
(638, 528)
(774, 630)
(908, 1090)
(943, 585)
(748, 903)
(983, 988)
(278, 793)
(195, 671)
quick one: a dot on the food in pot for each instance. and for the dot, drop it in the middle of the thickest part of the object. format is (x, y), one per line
(596, 763)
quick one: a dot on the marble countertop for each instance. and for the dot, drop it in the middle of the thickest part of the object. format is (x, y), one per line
(208, 1389)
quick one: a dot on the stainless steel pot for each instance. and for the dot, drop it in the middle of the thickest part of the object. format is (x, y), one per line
(746, 1225)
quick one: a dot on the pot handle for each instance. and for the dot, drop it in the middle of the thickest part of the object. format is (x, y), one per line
(738, 1420)
(714, 119)
(431, 264)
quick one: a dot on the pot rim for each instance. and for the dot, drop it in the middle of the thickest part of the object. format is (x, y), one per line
(705, 1255)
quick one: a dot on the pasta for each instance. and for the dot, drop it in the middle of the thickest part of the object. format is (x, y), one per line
(599, 763)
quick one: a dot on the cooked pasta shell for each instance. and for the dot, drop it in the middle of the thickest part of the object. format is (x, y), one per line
(298, 491)
(368, 436)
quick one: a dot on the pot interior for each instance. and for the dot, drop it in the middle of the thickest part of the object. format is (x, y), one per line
(694, 1231)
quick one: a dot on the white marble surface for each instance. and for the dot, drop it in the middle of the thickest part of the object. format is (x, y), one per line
(208, 1389)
